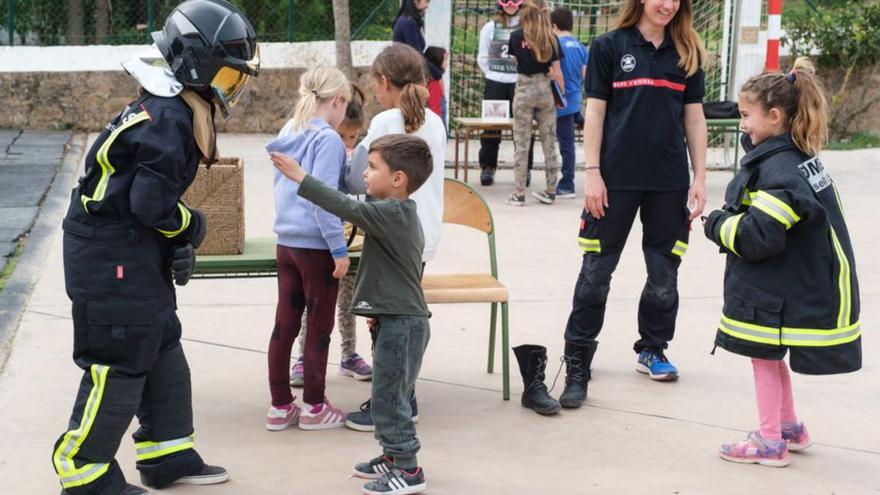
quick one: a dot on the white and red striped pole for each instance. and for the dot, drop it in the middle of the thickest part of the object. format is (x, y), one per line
(774, 32)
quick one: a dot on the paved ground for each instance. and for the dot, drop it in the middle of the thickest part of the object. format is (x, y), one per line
(634, 437)
(28, 162)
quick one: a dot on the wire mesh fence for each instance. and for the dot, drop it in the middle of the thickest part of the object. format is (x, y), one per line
(713, 20)
(118, 22)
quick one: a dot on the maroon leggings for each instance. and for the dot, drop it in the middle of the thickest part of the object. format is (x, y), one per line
(305, 280)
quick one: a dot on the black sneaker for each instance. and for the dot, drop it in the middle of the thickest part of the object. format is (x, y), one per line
(374, 468)
(487, 176)
(210, 475)
(363, 420)
(544, 197)
(398, 482)
(516, 200)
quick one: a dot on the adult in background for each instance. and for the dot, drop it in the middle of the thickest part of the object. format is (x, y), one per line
(409, 25)
(499, 71)
(128, 238)
(644, 115)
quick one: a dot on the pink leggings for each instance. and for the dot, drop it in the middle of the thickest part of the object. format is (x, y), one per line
(775, 401)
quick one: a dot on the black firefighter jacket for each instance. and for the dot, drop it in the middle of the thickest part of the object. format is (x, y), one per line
(790, 281)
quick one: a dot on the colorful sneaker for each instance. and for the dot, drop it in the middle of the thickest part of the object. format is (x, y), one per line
(654, 364)
(545, 197)
(374, 468)
(321, 417)
(516, 200)
(282, 418)
(297, 373)
(363, 420)
(796, 436)
(356, 367)
(564, 194)
(756, 450)
(398, 482)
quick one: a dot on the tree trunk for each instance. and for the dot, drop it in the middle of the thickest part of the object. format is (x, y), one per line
(102, 20)
(75, 22)
(342, 21)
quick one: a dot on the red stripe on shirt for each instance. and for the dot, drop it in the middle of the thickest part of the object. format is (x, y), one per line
(645, 81)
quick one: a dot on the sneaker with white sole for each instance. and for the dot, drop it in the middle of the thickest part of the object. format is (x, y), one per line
(374, 468)
(653, 362)
(398, 482)
(321, 417)
(796, 436)
(756, 450)
(545, 197)
(562, 194)
(356, 367)
(516, 200)
(297, 373)
(281, 418)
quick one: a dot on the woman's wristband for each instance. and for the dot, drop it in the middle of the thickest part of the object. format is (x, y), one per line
(595, 167)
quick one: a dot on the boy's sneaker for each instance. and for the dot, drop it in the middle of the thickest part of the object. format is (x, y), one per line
(374, 468)
(756, 450)
(280, 418)
(564, 194)
(654, 364)
(363, 420)
(321, 417)
(796, 436)
(398, 482)
(356, 367)
(516, 200)
(545, 197)
(297, 373)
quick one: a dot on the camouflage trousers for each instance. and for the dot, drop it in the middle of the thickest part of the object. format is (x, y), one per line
(345, 320)
(534, 101)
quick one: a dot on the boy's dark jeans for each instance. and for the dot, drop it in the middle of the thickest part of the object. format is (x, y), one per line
(397, 357)
(565, 135)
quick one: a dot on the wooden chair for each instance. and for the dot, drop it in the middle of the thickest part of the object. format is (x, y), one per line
(462, 205)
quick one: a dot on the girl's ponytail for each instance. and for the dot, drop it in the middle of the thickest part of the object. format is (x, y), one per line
(316, 85)
(404, 67)
(809, 125)
(412, 106)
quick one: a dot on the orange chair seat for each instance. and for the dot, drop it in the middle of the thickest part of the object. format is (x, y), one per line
(463, 288)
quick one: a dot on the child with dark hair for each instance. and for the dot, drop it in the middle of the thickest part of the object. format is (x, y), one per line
(574, 69)
(438, 62)
(388, 291)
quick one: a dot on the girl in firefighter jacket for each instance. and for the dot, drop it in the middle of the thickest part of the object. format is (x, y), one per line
(790, 283)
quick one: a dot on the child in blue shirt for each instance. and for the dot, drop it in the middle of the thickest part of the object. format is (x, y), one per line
(574, 68)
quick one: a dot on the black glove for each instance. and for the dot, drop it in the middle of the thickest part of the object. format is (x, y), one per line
(198, 227)
(183, 261)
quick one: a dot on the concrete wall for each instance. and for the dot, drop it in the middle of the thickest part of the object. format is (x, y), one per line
(83, 88)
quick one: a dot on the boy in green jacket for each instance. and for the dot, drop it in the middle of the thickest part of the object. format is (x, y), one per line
(388, 291)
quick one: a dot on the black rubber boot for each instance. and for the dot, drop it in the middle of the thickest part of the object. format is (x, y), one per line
(532, 360)
(577, 374)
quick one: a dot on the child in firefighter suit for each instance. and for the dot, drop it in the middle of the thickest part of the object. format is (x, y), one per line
(790, 284)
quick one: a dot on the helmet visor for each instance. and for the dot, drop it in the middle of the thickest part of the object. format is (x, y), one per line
(228, 85)
(238, 40)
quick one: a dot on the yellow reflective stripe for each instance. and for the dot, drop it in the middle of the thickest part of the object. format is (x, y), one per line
(85, 475)
(728, 232)
(70, 444)
(102, 158)
(680, 248)
(776, 208)
(185, 217)
(839, 202)
(810, 337)
(747, 197)
(152, 450)
(804, 337)
(843, 282)
(590, 245)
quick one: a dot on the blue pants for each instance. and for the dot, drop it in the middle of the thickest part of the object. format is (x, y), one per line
(565, 135)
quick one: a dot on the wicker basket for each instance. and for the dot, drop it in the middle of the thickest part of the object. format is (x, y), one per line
(219, 193)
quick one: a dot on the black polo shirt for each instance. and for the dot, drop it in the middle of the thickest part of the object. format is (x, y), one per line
(643, 139)
(526, 63)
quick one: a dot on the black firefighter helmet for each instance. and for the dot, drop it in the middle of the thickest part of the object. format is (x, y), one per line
(211, 47)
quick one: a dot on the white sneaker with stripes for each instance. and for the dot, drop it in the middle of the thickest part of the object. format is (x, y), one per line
(321, 417)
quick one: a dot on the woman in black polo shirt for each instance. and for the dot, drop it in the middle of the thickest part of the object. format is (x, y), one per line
(644, 115)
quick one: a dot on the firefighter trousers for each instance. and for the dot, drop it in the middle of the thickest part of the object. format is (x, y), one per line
(665, 226)
(127, 341)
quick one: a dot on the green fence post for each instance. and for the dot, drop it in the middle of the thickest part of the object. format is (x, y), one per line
(290, 22)
(151, 19)
(10, 23)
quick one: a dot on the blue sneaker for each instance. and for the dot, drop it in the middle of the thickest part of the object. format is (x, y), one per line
(654, 364)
